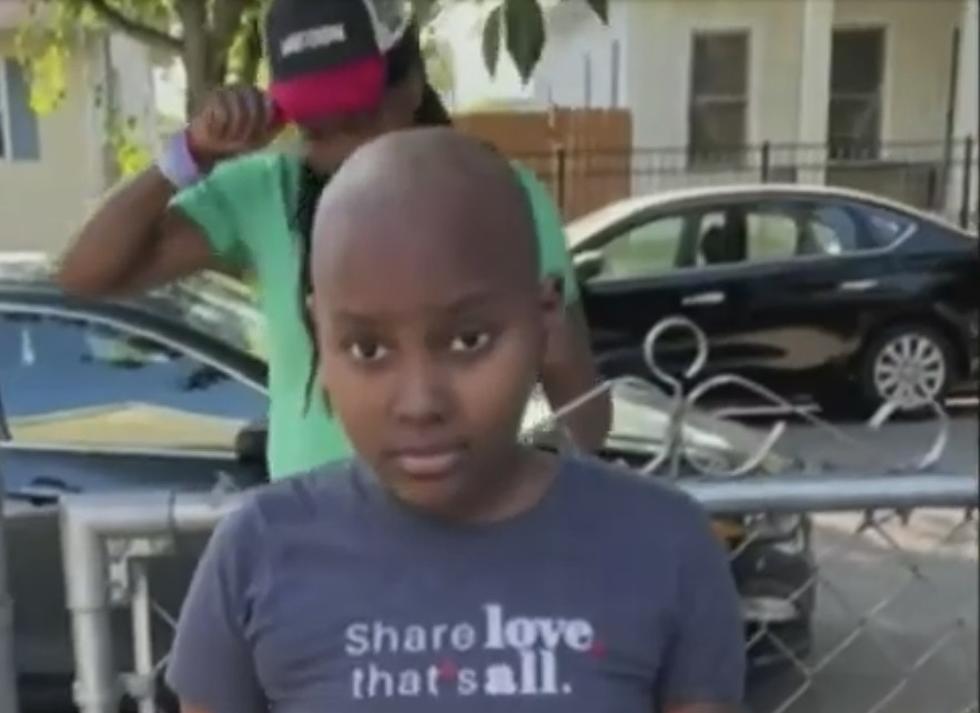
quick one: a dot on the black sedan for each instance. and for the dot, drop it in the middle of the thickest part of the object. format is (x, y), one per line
(156, 393)
(814, 291)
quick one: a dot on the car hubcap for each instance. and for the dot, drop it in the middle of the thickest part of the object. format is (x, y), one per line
(910, 370)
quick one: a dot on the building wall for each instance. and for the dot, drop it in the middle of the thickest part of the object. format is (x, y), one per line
(656, 62)
(659, 58)
(579, 67)
(41, 202)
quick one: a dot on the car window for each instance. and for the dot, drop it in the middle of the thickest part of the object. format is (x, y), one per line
(885, 226)
(770, 236)
(71, 381)
(786, 231)
(648, 249)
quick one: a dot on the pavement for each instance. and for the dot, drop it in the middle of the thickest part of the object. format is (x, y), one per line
(918, 653)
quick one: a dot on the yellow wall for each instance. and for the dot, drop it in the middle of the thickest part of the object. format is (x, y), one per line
(42, 202)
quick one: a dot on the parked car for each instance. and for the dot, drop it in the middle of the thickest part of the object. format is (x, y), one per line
(819, 291)
(167, 392)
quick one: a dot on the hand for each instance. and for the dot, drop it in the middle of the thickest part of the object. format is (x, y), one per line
(233, 121)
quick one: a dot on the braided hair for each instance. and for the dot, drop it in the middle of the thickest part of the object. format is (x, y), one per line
(403, 61)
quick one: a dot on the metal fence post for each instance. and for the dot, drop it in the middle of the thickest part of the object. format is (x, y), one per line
(967, 183)
(8, 672)
(765, 159)
(561, 159)
(87, 595)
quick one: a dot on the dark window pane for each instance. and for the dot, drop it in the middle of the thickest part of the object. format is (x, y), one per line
(854, 129)
(856, 61)
(717, 132)
(830, 231)
(24, 141)
(720, 62)
(886, 226)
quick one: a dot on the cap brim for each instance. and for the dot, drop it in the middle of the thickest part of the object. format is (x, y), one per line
(355, 87)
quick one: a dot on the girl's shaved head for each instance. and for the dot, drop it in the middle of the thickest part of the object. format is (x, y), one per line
(441, 190)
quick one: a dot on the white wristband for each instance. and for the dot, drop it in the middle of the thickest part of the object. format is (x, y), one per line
(176, 162)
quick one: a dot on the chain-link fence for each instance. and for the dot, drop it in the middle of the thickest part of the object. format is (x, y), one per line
(859, 593)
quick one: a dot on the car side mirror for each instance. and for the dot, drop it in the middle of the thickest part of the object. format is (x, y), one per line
(251, 443)
(589, 264)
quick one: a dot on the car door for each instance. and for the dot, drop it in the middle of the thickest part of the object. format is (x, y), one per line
(644, 270)
(95, 404)
(807, 280)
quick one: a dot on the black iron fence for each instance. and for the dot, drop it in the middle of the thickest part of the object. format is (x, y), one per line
(938, 176)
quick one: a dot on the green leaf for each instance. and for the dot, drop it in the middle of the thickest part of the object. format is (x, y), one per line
(524, 23)
(601, 8)
(491, 41)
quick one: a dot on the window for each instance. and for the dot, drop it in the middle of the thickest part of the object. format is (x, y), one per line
(784, 231)
(771, 236)
(719, 98)
(647, 249)
(885, 226)
(67, 380)
(854, 126)
(19, 138)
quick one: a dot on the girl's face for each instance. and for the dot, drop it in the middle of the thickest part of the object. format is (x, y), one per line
(429, 349)
(328, 142)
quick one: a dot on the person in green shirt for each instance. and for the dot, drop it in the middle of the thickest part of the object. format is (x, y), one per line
(343, 72)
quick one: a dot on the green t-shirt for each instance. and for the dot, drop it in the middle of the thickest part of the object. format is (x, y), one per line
(244, 208)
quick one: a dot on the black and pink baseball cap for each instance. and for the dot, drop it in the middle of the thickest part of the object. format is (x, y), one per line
(331, 57)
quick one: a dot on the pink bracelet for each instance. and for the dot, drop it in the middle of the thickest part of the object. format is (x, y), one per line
(176, 162)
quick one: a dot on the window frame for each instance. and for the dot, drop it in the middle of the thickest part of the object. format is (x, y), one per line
(733, 156)
(128, 329)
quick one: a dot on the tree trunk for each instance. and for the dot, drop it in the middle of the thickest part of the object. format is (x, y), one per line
(196, 53)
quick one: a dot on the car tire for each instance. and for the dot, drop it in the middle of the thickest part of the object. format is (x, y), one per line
(912, 363)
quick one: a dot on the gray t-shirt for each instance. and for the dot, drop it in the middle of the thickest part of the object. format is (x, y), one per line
(324, 595)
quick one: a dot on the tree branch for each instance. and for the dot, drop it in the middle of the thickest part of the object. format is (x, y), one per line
(134, 28)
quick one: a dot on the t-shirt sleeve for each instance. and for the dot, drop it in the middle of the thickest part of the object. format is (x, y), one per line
(705, 657)
(216, 204)
(211, 665)
(553, 250)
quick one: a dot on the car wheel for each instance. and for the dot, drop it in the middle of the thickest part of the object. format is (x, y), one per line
(909, 364)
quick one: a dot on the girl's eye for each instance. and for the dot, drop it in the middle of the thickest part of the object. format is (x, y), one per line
(367, 351)
(470, 342)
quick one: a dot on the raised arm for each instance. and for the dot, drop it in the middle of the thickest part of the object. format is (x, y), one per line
(135, 240)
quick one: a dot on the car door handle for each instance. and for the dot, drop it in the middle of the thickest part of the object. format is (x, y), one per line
(703, 298)
(857, 285)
